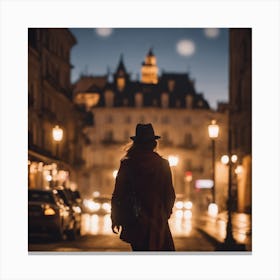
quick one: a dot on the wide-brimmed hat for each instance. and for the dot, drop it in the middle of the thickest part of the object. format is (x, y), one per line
(144, 133)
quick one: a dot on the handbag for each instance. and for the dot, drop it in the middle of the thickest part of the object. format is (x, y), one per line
(129, 206)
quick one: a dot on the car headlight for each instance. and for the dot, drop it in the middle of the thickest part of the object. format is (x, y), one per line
(188, 205)
(179, 204)
(49, 211)
(76, 209)
(106, 206)
(96, 206)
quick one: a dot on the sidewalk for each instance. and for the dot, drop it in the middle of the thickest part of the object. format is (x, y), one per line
(215, 229)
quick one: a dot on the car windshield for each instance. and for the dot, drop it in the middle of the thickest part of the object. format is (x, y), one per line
(41, 196)
(62, 194)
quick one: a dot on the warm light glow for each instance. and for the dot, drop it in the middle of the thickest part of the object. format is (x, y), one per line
(234, 158)
(95, 206)
(62, 175)
(107, 224)
(33, 167)
(188, 176)
(40, 166)
(48, 178)
(96, 194)
(213, 210)
(107, 207)
(240, 237)
(204, 184)
(77, 209)
(188, 214)
(115, 173)
(91, 205)
(57, 133)
(173, 160)
(225, 159)
(213, 130)
(188, 205)
(49, 212)
(179, 204)
(94, 224)
(238, 169)
(179, 214)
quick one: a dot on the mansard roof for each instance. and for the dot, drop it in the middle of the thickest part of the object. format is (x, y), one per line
(177, 85)
(182, 82)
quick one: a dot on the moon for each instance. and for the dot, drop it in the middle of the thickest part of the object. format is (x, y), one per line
(185, 47)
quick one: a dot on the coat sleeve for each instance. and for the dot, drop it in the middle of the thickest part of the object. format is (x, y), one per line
(119, 192)
(169, 193)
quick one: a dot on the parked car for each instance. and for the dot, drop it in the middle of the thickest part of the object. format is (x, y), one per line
(74, 209)
(47, 214)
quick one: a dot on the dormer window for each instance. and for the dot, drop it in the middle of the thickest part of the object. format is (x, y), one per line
(121, 83)
(139, 100)
(171, 85)
(164, 100)
(189, 101)
(109, 98)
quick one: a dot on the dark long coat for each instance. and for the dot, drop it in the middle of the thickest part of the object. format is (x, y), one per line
(151, 177)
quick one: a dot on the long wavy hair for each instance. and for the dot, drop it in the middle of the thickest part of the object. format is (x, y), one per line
(136, 147)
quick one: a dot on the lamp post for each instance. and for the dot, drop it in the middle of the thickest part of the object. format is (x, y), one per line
(188, 178)
(230, 243)
(57, 134)
(173, 161)
(213, 131)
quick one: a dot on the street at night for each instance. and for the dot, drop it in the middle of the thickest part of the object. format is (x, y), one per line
(139, 140)
(199, 235)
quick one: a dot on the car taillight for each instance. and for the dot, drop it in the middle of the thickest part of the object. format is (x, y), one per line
(49, 211)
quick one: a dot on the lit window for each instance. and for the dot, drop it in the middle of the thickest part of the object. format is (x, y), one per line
(164, 100)
(139, 100)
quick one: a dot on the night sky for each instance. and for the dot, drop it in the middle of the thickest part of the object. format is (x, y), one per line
(203, 53)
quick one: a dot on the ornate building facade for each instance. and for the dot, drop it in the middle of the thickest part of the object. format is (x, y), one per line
(241, 112)
(50, 105)
(178, 113)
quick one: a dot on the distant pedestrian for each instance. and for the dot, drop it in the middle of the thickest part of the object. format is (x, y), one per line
(144, 177)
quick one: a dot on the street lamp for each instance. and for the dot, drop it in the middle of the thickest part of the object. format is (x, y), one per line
(213, 131)
(173, 161)
(230, 243)
(188, 178)
(57, 134)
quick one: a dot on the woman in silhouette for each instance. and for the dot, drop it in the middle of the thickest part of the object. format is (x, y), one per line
(149, 176)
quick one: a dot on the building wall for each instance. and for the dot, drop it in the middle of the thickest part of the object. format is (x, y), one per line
(241, 110)
(114, 126)
(179, 115)
(49, 104)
